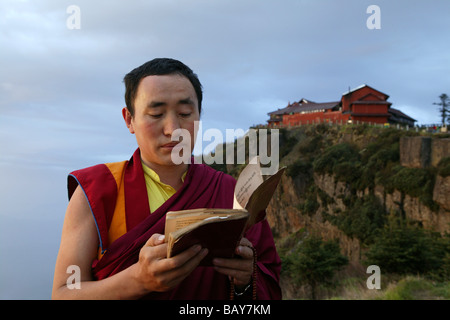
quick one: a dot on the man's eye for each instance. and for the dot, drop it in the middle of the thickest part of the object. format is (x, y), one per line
(185, 115)
(156, 116)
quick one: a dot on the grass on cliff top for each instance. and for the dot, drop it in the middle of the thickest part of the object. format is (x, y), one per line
(407, 288)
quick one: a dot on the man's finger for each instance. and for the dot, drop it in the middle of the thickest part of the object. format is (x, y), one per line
(245, 249)
(244, 252)
(183, 257)
(245, 242)
(181, 272)
(155, 240)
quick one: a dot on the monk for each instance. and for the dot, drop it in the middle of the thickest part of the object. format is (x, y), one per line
(112, 243)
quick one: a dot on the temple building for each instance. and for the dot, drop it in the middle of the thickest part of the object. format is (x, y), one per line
(362, 104)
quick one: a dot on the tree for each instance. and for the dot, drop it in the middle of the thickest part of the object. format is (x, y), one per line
(445, 107)
(410, 249)
(314, 262)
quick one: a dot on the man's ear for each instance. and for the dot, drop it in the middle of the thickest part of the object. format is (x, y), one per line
(128, 119)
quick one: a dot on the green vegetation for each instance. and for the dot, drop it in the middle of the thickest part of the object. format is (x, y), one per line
(416, 182)
(314, 262)
(286, 142)
(415, 262)
(363, 219)
(335, 156)
(404, 248)
(401, 247)
(299, 166)
(392, 288)
(417, 288)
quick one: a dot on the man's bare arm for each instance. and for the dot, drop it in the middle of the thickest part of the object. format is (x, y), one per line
(79, 245)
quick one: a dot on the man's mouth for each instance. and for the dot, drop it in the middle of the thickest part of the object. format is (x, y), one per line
(169, 145)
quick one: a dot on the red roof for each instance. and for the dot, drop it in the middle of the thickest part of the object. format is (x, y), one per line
(362, 86)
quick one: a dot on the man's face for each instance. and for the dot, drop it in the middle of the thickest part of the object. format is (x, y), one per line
(163, 104)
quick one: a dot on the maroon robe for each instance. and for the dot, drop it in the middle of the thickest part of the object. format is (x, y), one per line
(203, 188)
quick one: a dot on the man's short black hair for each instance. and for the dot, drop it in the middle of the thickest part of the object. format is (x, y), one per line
(158, 67)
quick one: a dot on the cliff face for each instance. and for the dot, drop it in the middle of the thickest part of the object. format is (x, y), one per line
(285, 218)
(441, 193)
(422, 152)
(287, 214)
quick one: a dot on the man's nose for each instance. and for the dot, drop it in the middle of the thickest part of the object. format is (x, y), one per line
(171, 123)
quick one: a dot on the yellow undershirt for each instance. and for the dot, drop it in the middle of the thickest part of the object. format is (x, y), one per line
(157, 192)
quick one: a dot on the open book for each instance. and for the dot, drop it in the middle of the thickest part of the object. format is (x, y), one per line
(220, 230)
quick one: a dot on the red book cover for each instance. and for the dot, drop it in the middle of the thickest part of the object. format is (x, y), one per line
(219, 236)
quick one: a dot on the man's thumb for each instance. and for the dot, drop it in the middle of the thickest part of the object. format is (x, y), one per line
(155, 240)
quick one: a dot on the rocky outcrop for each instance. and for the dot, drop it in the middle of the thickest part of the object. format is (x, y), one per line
(413, 209)
(440, 148)
(421, 152)
(441, 192)
(415, 152)
(285, 217)
(282, 215)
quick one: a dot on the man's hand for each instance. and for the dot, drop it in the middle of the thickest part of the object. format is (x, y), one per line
(155, 272)
(240, 269)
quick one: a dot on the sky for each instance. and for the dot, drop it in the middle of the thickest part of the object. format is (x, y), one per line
(61, 89)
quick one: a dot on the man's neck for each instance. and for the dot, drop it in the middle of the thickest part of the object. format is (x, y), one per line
(171, 175)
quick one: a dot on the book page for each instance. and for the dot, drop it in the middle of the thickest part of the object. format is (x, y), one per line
(261, 197)
(249, 179)
(179, 221)
(176, 220)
